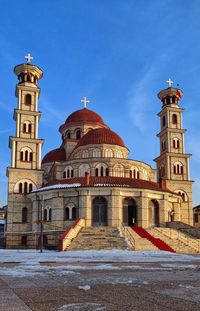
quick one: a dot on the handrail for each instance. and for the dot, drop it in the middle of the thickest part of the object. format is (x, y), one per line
(129, 236)
(70, 234)
(181, 237)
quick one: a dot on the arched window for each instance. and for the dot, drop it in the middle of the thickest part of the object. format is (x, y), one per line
(27, 127)
(85, 154)
(119, 154)
(163, 121)
(134, 172)
(68, 172)
(30, 187)
(119, 170)
(47, 213)
(176, 143)
(101, 170)
(178, 168)
(109, 153)
(28, 99)
(107, 171)
(78, 134)
(174, 118)
(20, 187)
(83, 168)
(96, 153)
(182, 194)
(24, 214)
(70, 212)
(74, 212)
(26, 154)
(25, 187)
(67, 213)
(68, 135)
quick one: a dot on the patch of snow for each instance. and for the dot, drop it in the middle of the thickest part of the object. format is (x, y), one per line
(82, 306)
(84, 287)
(92, 256)
(179, 266)
(57, 186)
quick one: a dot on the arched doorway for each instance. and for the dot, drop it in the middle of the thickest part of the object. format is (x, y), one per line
(129, 212)
(99, 212)
(154, 213)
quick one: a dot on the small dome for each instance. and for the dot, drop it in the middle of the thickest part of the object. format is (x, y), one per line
(56, 155)
(84, 115)
(101, 136)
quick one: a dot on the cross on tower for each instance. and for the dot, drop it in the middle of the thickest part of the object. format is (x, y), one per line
(85, 101)
(169, 82)
(29, 58)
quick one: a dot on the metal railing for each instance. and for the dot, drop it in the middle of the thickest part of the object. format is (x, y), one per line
(180, 237)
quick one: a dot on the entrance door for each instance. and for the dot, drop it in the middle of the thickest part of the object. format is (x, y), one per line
(99, 212)
(130, 212)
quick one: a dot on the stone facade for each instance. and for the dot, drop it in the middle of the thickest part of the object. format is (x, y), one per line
(90, 175)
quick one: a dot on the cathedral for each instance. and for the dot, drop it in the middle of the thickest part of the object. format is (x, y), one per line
(90, 176)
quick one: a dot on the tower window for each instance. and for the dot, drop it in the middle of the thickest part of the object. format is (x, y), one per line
(163, 121)
(163, 145)
(168, 100)
(20, 187)
(174, 119)
(27, 127)
(176, 143)
(178, 168)
(28, 99)
(26, 155)
(68, 135)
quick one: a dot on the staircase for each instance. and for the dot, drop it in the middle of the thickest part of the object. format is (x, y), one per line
(138, 243)
(157, 241)
(185, 228)
(174, 240)
(97, 238)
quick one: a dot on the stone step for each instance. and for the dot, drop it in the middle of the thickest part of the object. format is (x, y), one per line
(98, 238)
(176, 244)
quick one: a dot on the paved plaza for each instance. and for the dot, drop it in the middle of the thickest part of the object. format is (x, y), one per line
(98, 280)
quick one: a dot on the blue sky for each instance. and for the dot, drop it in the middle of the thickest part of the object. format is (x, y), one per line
(117, 53)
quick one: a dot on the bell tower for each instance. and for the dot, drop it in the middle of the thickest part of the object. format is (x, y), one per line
(24, 173)
(173, 162)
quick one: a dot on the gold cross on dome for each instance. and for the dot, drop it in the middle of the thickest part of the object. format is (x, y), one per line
(85, 101)
(169, 82)
(28, 58)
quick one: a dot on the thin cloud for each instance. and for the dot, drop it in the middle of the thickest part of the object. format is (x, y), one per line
(139, 100)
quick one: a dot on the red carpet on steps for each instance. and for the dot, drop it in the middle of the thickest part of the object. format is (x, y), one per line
(161, 245)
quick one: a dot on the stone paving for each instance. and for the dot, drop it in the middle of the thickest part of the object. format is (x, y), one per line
(102, 286)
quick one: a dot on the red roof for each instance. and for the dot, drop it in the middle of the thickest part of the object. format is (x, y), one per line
(56, 155)
(110, 181)
(100, 136)
(84, 115)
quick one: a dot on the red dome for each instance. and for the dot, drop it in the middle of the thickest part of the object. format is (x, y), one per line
(84, 115)
(56, 155)
(101, 136)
